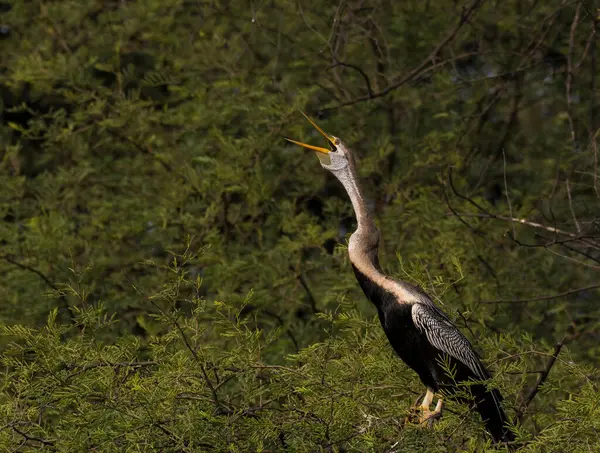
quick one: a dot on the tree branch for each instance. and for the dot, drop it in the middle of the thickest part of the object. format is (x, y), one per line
(359, 70)
(31, 438)
(464, 18)
(62, 299)
(489, 215)
(569, 78)
(540, 381)
(540, 298)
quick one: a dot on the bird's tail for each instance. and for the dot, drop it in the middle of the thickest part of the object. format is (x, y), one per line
(493, 416)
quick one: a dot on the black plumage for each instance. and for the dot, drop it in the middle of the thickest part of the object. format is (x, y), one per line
(428, 342)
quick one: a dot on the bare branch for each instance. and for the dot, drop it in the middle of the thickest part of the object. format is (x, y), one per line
(595, 151)
(569, 78)
(571, 206)
(359, 70)
(62, 299)
(540, 298)
(507, 195)
(423, 67)
(540, 381)
(516, 220)
(573, 259)
(593, 70)
(32, 438)
(468, 225)
(585, 51)
(311, 297)
(464, 197)
(83, 368)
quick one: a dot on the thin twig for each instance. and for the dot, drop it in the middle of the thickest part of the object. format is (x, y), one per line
(540, 298)
(465, 15)
(540, 381)
(594, 146)
(61, 298)
(146, 150)
(516, 220)
(569, 78)
(357, 69)
(186, 342)
(89, 366)
(32, 438)
(30, 269)
(591, 37)
(311, 297)
(507, 195)
(589, 256)
(571, 206)
(573, 259)
(464, 197)
(468, 225)
(593, 70)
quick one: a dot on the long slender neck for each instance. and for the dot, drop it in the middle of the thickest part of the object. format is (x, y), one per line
(363, 247)
(364, 242)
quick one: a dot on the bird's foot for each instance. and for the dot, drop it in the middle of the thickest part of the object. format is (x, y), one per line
(427, 416)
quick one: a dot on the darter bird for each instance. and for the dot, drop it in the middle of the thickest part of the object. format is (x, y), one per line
(420, 333)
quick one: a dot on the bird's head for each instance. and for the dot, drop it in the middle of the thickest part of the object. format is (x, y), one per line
(339, 160)
(336, 158)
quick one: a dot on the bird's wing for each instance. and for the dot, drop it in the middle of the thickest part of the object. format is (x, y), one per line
(444, 335)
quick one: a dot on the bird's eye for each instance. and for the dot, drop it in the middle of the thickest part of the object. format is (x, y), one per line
(333, 143)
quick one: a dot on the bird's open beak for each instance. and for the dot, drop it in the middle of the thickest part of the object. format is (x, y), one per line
(329, 138)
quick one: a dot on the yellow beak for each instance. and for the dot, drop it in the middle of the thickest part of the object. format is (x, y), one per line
(315, 148)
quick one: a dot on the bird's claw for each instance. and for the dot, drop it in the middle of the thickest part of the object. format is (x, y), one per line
(428, 417)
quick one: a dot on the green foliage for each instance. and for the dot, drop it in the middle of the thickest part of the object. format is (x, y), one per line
(207, 383)
(174, 275)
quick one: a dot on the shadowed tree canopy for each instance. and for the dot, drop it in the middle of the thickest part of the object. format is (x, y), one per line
(174, 276)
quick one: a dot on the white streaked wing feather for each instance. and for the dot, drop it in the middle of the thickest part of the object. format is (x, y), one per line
(444, 335)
